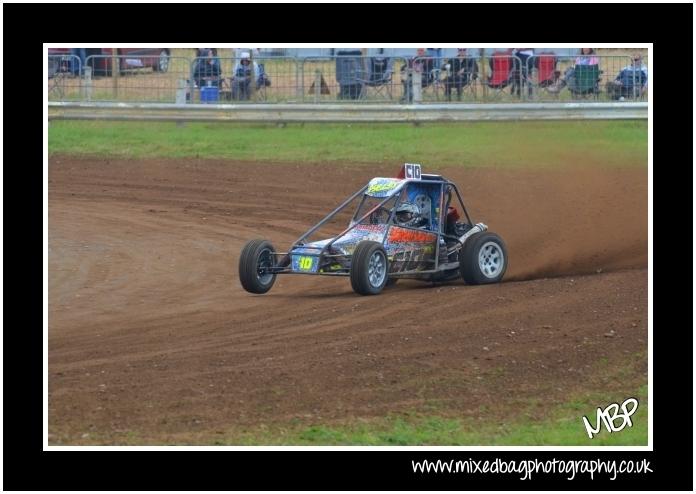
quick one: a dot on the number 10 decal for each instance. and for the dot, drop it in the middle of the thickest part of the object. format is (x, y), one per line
(305, 263)
(413, 170)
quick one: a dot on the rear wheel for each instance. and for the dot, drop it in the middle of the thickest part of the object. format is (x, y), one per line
(483, 259)
(254, 263)
(369, 268)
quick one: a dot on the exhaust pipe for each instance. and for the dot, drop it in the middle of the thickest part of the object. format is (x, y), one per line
(478, 227)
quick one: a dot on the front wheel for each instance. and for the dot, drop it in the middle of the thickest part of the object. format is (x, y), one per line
(483, 259)
(255, 261)
(368, 268)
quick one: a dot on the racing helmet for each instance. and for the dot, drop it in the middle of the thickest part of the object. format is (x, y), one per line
(407, 214)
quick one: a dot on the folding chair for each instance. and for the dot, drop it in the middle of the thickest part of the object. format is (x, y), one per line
(546, 69)
(629, 84)
(262, 82)
(231, 91)
(431, 77)
(585, 81)
(459, 83)
(502, 69)
(348, 66)
(543, 73)
(377, 75)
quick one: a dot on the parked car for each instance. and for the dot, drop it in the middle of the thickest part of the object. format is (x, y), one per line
(132, 58)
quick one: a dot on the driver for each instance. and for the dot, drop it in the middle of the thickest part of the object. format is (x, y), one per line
(408, 214)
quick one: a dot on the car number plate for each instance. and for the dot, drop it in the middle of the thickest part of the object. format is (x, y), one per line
(304, 263)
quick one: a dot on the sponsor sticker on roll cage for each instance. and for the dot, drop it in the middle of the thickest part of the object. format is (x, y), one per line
(383, 187)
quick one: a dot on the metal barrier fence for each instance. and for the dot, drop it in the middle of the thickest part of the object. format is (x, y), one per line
(64, 82)
(263, 79)
(458, 78)
(498, 77)
(350, 78)
(138, 78)
(345, 112)
(605, 77)
(541, 77)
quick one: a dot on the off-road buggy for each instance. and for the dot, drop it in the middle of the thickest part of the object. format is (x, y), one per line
(376, 249)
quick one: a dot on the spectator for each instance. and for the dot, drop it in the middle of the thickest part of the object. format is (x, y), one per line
(523, 54)
(406, 81)
(519, 74)
(436, 55)
(426, 65)
(421, 64)
(242, 75)
(587, 57)
(81, 54)
(207, 70)
(632, 81)
(460, 72)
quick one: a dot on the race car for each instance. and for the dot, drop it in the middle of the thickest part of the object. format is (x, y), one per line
(402, 227)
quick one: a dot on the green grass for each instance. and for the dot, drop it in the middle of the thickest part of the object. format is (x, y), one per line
(563, 426)
(524, 144)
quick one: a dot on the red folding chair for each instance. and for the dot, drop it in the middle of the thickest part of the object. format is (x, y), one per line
(541, 73)
(502, 67)
(501, 70)
(546, 69)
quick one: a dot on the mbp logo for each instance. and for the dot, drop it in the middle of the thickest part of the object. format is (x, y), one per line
(413, 170)
(610, 415)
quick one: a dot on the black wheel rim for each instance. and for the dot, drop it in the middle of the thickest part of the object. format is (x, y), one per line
(265, 261)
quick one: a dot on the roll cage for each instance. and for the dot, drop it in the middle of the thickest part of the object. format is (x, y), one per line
(326, 256)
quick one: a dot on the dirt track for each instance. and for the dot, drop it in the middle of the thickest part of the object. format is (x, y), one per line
(151, 335)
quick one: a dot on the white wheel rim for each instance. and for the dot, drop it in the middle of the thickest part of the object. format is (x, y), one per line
(491, 259)
(377, 269)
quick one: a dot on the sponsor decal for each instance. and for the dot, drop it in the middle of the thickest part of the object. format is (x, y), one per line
(380, 187)
(404, 235)
(360, 229)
